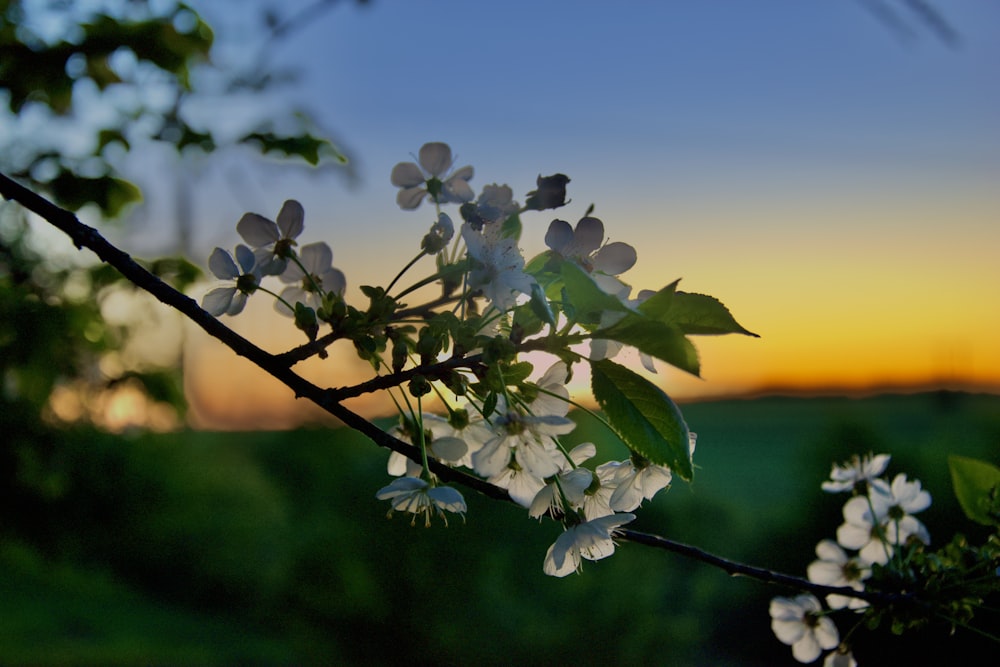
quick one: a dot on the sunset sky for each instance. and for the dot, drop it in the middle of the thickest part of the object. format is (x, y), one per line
(833, 179)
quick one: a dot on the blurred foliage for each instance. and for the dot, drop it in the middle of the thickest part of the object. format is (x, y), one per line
(152, 49)
(81, 85)
(275, 541)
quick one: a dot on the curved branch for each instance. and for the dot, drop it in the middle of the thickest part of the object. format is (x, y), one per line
(84, 236)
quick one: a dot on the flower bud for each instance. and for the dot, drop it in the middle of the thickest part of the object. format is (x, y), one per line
(550, 193)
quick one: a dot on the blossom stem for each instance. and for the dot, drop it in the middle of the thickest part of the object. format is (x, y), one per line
(284, 302)
(310, 277)
(406, 268)
(417, 285)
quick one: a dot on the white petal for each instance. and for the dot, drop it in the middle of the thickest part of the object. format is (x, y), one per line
(826, 632)
(807, 649)
(334, 281)
(458, 190)
(588, 237)
(523, 487)
(628, 495)
(447, 498)
(257, 230)
(559, 235)
(615, 258)
(449, 448)
(400, 486)
(410, 198)
(316, 257)
(582, 452)
(236, 307)
(218, 300)
(406, 175)
(222, 266)
(857, 512)
(826, 573)
(246, 258)
(492, 458)
(647, 362)
(575, 482)
(534, 459)
(291, 219)
(788, 632)
(556, 563)
(829, 550)
(653, 479)
(396, 465)
(435, 157)
(850, 536)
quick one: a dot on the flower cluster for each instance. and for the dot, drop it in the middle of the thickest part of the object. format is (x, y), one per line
(505, 420)
(271, 252)
(879, 531)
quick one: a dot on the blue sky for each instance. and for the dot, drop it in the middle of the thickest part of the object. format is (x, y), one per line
(834, 181)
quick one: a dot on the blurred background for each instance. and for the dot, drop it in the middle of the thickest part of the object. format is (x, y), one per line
(827, 170)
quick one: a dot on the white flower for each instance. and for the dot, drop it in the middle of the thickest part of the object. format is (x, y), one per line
(634, 482)
(319, 278)
(410, 494)
(569, 484)
(278, 237)
(246, 277)
(902, 500)
(417, 181)
(861, 530)
(834, 568)
(527, 434)
(799, 623)
(877, 523)
(521, 485)
(592, 540)
(856, 472)
(444, 441)
(585, 246)
(496, 203)
(499, 266)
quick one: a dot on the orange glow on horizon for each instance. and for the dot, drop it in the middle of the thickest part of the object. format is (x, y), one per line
(891, 301)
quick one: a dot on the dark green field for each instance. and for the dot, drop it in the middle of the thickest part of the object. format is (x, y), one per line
(270, 549)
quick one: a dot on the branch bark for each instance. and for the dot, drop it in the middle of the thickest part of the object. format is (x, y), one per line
(277, 366)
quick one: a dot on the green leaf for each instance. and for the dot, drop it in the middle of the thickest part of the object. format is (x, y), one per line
(588, 300)
(540, 305)
(697, 314)
(306, 146)
(658, 339)
(643, 416)
(977, 487)
(658, 305)
(511, 227)
(108, 193)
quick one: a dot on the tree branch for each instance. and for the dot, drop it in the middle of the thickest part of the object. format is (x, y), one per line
(84, 236)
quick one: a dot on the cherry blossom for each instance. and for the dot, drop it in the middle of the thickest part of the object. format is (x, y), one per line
(416, 496)
(800, 623)
(835, 568)
(278, 237)
(591, 540)
(245, 272)
(499, 266)
(855, 473)
(425, 179)
(585, 246)
(318, 278)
